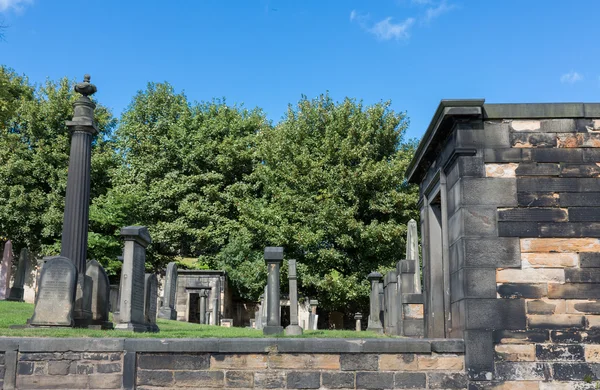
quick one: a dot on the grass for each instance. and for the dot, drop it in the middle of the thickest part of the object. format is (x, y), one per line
(17, 313)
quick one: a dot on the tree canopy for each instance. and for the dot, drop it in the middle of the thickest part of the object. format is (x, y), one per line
(216, 183)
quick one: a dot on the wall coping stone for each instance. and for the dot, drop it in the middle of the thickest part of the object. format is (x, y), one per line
(234, 345)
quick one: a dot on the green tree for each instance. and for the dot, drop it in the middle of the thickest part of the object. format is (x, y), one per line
(329, 188)
(178, 162)
(34, 153)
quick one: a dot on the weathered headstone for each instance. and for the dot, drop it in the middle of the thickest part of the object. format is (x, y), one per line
(100, 295)
(358, 318)
(132, 286)
(16, 291)
(264, 307)
(273, 259)
(5, 270)
(150, 302)
(412, 252)
(114, 298)
(375, 308)
(56, 293)
(167, 309)
(227, 322)
(293, 329)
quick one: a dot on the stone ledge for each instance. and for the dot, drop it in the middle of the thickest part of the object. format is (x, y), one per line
(234, 345)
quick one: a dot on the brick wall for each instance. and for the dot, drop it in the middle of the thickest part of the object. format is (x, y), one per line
(234, 363)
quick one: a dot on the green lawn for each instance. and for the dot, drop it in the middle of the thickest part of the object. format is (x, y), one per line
(17, 313)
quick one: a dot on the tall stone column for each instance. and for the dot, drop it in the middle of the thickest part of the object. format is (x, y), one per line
(293, 329)
(273, 258)
(77, 201)
(216, 301)
(375, 308)
(203, 295)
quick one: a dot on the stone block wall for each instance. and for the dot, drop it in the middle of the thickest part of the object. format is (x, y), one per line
(517, 192)
(45, 363)
(69, 370)
(301, 370)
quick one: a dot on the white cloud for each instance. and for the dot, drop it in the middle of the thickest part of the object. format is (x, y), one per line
(16, 5)
(434, 12)
(386, 29)
(571, 77)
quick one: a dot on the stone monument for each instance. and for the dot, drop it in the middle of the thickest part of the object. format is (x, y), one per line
(273, 259)
(132, 286)
(100, 295)
(77, 200)
(150, 301)
(216, 304)
(293, 329)
(358, 318)
(167, 309)
(56, 293)
(412, 252)
(5, 270)
(16, 291)
(313, 318)
(264, 307)
(202, 303)
(375, 308)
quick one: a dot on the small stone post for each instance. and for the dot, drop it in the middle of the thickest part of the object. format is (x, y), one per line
(375, 309)
(77, 200)
(358, 317)
(293, 329)
(273, 259)
(16, 291)
(312, 317)
(203, 295)
(5, 270)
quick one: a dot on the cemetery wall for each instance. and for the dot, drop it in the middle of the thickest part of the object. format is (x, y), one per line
(234, 363)
(523, 249)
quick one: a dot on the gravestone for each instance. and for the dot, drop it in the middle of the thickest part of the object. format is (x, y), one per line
(114, 298)
(56, 293)
(167, 309)
(264, 307)
(150, 298)
(132, 286)
(412, 252)
(16, 291)
(100, 295)
(313, 318)
(5, 270)
(375, 305)
(293, 329)
(273, 259)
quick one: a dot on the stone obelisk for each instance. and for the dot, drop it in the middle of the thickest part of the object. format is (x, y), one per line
(77, 201)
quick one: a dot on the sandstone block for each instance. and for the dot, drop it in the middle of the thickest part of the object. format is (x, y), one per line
(501, 170)
(305, 361)
(440, 362)
(560, 245)
(530, 275)
(238, 361)
(398, 362)
(516, 352)
(539, 260)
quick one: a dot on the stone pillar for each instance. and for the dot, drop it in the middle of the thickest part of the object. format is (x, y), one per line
(412, 252)
(293, 329)
(273, 259)
(77, 200)
(358, 317)
(392, 303)
(375, 308)
(203, 295)
(216, 301)
(16, 291)
(5, 270)
(263, 307)
(133, 273)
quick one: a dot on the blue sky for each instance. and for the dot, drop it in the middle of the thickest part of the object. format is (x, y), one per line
(267, 53)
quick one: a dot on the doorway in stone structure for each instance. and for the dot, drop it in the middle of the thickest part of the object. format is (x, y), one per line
(194, 312)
